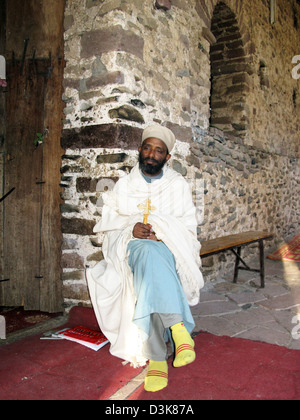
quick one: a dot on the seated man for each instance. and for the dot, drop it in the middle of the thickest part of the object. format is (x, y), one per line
(150, 276)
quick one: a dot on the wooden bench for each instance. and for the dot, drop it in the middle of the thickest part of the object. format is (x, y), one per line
(234, 243)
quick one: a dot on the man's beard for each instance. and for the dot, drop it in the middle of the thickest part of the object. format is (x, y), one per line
(149, 168)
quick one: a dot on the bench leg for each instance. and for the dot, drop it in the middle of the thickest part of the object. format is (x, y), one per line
(261, 270)
(262, 263)
(236, 267)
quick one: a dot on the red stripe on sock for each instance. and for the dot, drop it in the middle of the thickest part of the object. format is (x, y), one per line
(157, 373)
(184, 347)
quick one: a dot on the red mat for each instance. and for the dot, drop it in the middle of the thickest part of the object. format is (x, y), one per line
(34, 369)
(288, 252)
(232, 369)
(225, 369)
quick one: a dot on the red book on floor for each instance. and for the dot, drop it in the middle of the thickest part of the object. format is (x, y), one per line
(83, 335)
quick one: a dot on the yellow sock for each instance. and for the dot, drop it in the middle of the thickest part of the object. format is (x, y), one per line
(157, 376)
(184, 345)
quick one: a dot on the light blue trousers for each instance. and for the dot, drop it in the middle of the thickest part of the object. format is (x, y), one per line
(161, 302)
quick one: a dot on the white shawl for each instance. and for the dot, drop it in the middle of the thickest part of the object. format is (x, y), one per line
(111, 281)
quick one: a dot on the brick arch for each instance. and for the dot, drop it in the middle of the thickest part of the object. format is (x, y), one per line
(236, 7)
(229, 73)
(231, 66)
(205, 9)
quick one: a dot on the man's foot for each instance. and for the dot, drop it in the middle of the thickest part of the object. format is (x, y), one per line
(184, 345)
(157, 376)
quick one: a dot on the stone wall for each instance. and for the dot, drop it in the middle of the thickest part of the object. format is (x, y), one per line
(129, 64)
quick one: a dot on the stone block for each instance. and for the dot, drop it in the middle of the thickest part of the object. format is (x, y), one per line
(241, 88)
(163, 4)
(237, 53)
(215, 308)
(267, 334)
(177, 166)
(72, 260)
(76, 292)
(127, 112)
(91, 185)
(181, 133)
(211, 296)
(69, 208)
(251, 318)
(78, 275)
(85, 184)
(221, 120)
(114, 38)
(246, 297)
(69, 243)
(97, 256)
(115, 77)
(108, 6)
(111, 158)
(102, 136)
(71, 83)
(217, 326)
(77, 226)
(241, 78)
(283, 302)
(68, 22)
(92, 3)
(202, 10)
(181, 4)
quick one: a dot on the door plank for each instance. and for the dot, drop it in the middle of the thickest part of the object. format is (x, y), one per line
(23, 169)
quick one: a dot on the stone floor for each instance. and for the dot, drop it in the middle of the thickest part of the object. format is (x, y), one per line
(245, 310)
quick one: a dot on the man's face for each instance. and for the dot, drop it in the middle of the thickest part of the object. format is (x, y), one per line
(153, 155)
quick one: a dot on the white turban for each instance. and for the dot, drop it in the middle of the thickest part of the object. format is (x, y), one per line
(161, 133)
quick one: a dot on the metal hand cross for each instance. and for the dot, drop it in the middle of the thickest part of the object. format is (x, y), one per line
(147, 208)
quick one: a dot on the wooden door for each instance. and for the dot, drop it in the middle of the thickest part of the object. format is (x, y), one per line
(23, 171)
(30, 226)
(30, 214)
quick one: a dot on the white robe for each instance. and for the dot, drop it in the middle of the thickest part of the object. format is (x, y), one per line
(111, 281)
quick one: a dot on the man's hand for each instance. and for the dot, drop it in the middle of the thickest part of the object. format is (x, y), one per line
(141, 231)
